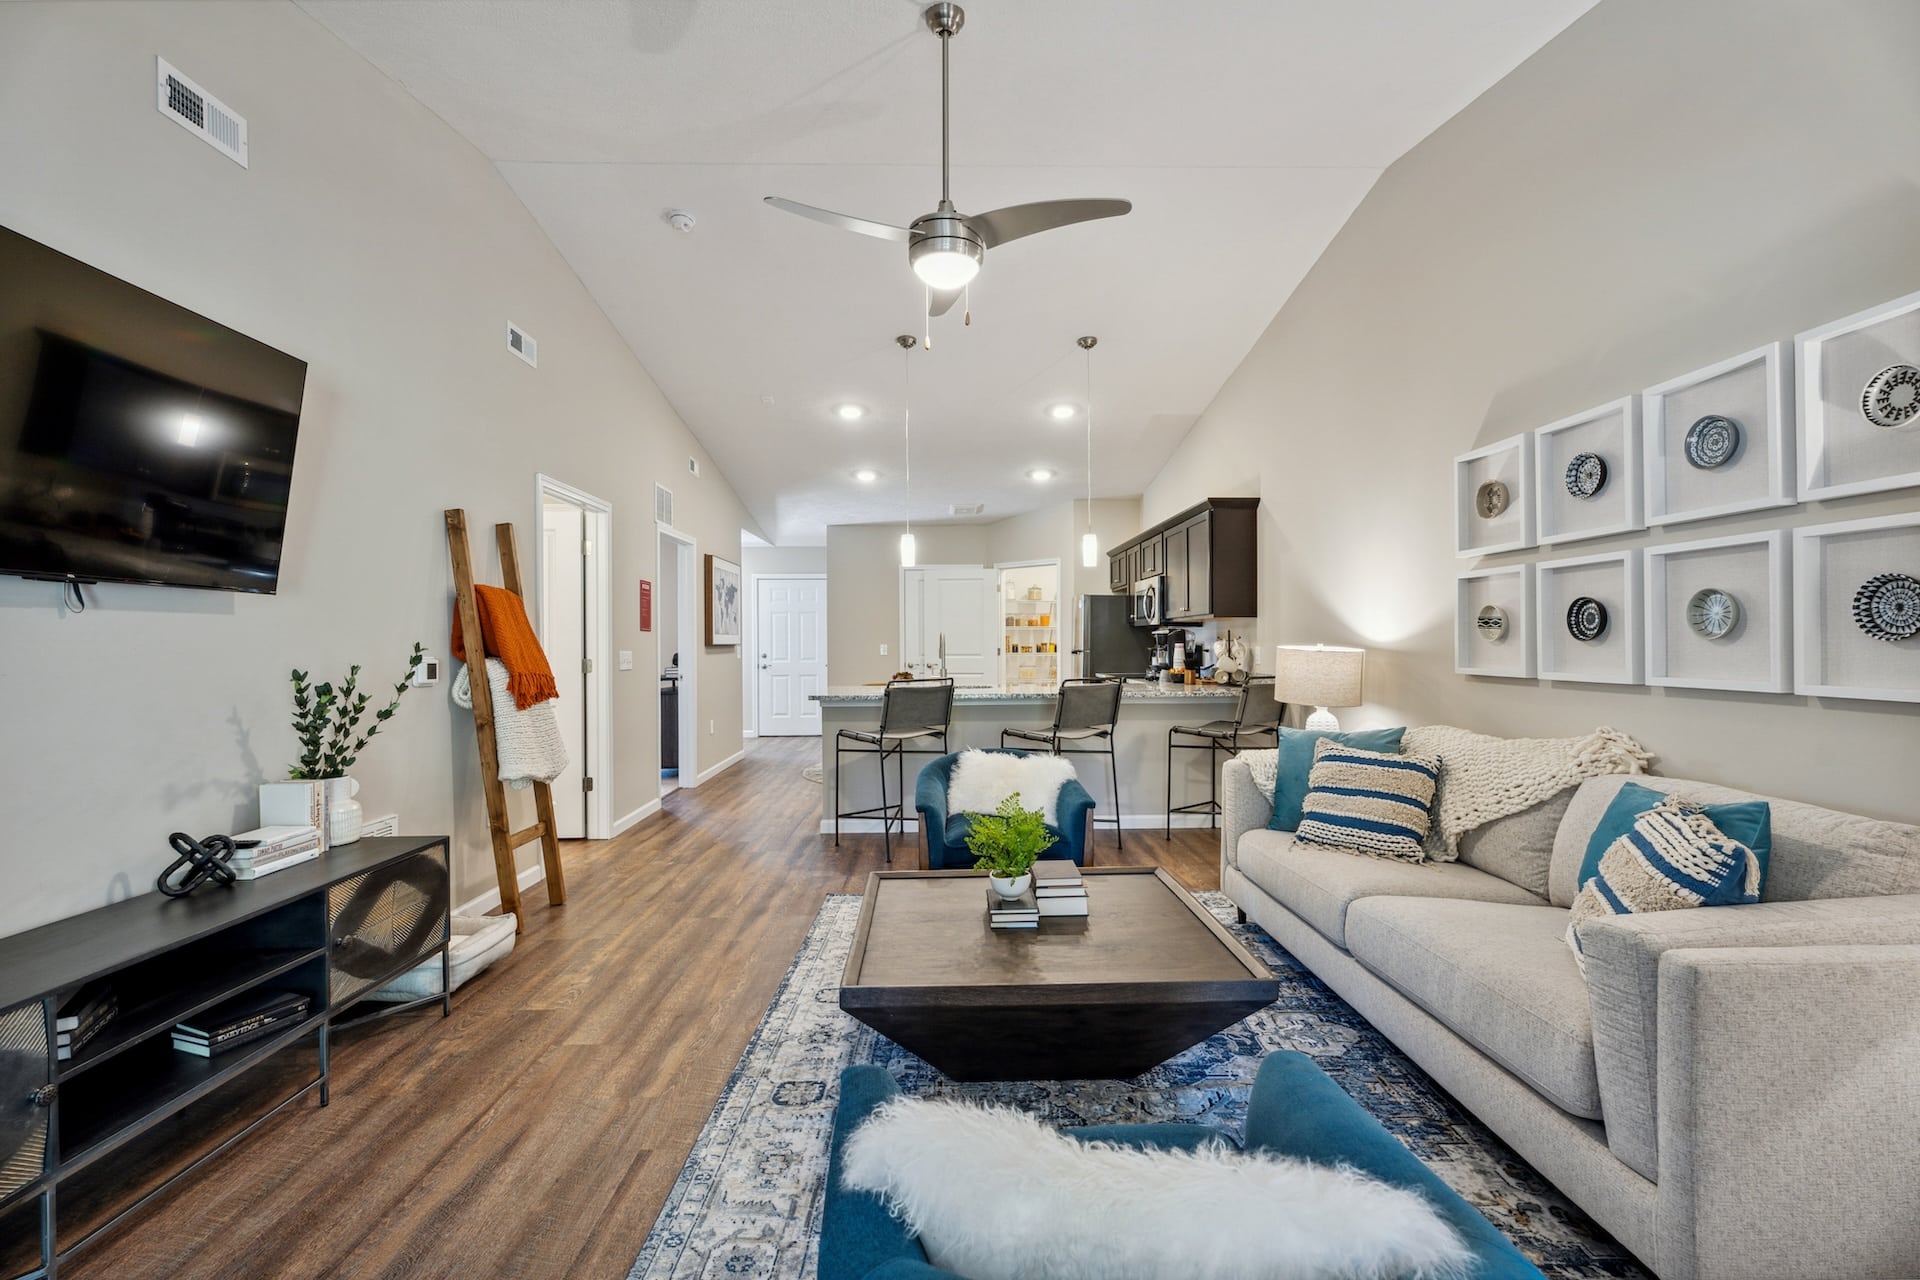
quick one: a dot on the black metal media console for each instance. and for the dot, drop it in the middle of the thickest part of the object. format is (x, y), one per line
(332, 930)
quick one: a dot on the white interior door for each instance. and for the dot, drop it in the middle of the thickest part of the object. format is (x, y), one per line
(563, 612)
(791, 621)
(949, 622)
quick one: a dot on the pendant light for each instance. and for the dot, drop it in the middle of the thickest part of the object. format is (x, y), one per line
(1089, 544)
(908, 552)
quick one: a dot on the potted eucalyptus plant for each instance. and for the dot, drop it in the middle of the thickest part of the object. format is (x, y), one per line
(327, 720)
(1005, 844)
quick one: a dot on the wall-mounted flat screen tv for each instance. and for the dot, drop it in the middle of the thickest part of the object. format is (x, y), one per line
(139, 442)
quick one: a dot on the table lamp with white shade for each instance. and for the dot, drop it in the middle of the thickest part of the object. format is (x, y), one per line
(1318, 676)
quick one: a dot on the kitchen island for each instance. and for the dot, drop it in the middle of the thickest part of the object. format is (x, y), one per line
(1147, 711)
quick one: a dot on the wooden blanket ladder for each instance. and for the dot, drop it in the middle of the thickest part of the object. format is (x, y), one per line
(499, 827)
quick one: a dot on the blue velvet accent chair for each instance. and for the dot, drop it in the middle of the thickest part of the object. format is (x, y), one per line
(944, 835)
(1295, 1111)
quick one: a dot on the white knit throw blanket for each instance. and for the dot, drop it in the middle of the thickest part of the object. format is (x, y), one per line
(1484, 778)
(528, 742)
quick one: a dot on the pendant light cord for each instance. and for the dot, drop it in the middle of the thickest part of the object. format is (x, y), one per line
(906, 433)
(1089, 439)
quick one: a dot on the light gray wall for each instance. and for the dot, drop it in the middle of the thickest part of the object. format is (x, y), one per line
(371, 241)
(755, 561)
(1661, 186)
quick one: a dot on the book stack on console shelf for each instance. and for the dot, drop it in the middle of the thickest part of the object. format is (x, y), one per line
(240, 1021)
(274, 849)
(83, 1017)
(1058, 888)
(1022, 912)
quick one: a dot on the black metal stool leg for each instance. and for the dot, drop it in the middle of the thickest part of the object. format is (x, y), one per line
(836, 789)
(1169, 784)
(886, 825)
(1113, 773)
(1213, 781)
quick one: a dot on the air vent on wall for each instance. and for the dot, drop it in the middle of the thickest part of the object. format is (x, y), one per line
(663, 504)
(385, 825)
(201, 114)
(521, 343)
(693, 466)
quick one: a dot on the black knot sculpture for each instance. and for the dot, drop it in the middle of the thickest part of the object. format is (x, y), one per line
(200, 862)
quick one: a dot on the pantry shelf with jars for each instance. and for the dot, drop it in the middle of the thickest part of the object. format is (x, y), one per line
(1030, 646)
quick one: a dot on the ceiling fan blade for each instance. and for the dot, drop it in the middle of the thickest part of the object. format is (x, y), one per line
(1016, 220)
(941, 301)
(846, 222)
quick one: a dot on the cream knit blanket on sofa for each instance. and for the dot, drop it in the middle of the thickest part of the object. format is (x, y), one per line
(1484, 778)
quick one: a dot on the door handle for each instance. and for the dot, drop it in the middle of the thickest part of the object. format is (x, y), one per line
(765, 665)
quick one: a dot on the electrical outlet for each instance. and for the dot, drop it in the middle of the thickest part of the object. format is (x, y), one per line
(1258, 653)
(883, 651)
(626, 659)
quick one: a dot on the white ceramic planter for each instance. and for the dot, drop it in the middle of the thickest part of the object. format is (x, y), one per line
(1010, 886)
(344, 816)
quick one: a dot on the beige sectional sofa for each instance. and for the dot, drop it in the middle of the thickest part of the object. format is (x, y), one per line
(1732, 1092)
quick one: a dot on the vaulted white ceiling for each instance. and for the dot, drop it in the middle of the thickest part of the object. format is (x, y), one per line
(1244, 131)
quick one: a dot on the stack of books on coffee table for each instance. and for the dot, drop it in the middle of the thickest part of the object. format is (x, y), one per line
(1022, 912)
(1058, 889)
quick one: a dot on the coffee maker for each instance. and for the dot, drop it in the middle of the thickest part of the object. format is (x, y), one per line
(1169, 651)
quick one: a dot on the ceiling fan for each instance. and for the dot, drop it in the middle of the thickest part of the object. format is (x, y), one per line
(945, 247)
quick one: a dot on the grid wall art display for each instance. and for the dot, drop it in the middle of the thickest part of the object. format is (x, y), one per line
(1719, 441)
(1493, 498)
(1859, 381)
(1587, 474)
(1493, 623)
(1587, 619)
(1857, 609)
(1719, 614)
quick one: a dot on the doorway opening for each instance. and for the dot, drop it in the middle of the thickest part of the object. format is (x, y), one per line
(1033, 633)
(790, 639)
(676, 594)
(573, 585)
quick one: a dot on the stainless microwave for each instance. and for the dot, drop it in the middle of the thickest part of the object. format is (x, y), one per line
(1148, 596)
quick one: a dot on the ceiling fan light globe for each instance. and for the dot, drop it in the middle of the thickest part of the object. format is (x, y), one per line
(944, 269)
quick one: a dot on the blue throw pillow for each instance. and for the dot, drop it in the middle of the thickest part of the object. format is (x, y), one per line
(1750, 822)
(1296, 765)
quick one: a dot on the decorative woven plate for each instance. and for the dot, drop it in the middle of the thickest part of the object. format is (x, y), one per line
(1887, 606)
(1713, 613)
(1586, 475)
(1892, 397)
(1586, 619)
(1492, 622)
(1712, 441)
(1491, 500)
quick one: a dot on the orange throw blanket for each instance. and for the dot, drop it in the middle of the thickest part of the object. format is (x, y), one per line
(508, 636)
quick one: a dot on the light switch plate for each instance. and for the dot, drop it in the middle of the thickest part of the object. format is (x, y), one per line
(626, 659)
(883, 651)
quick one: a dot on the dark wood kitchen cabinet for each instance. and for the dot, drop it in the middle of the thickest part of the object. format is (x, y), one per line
(1207, 555)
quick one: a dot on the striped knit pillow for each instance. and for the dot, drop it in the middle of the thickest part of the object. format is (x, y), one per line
(1674, 857)
(1369, 801)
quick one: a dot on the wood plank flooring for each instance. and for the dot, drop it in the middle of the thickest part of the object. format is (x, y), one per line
(537, 1132)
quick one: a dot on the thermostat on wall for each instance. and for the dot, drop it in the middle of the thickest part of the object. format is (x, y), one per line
(426, 675)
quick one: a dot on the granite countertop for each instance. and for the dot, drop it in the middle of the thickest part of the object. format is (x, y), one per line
(1133, 691)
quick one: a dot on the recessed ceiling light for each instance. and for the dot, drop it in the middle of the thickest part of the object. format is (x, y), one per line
(1040, 475)
(866, 475)
(1061, 412)
(850, 412)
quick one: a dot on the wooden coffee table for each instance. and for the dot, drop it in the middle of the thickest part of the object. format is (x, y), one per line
(1148, 973)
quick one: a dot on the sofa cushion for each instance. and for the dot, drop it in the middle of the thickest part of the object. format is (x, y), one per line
(1750, 822)
(1518, 847)
(1318, 885)
(1370, 802)
(1499, 976)
(1294, 762)
(1817, 853)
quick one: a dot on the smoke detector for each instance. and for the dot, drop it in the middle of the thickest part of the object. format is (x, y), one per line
(680, 220)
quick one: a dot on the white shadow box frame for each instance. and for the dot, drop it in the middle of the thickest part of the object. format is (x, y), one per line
(1834, 658)
(1752, 390)
(1841, 452)
(1614, 580)
(1509, 589)
(1755, 656)
(1613, 431)
(1509, 461)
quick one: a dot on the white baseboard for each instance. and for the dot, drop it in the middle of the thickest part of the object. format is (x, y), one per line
(749, 733)
(707, 775)
(491, 898)
(632, 820)
(1128, 822)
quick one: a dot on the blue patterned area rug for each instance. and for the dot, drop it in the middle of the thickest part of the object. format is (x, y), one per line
(748, 1201)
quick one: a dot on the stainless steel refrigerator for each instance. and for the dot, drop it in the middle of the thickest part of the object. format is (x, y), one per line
(1109, 645)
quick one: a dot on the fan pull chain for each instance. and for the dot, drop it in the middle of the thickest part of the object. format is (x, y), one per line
(966, 305)
(926, 314)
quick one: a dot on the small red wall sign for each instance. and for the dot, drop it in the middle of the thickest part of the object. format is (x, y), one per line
(646, 605)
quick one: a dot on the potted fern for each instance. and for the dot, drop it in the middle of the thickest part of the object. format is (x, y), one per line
(327, 720)
(1005, 844)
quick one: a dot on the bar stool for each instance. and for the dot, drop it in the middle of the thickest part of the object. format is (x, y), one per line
(910, 711)
(1256, 716)
(1085, 712)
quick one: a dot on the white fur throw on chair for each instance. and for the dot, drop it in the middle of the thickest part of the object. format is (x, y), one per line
(982, 779)
(993, 1194)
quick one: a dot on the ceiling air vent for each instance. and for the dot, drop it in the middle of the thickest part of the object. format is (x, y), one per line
(966, 508)
(663, 504)
(521, 343)
(201, 114)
